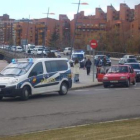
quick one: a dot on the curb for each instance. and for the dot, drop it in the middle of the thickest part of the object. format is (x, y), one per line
(87, 86)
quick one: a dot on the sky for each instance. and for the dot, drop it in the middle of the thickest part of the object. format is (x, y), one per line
(18, 9)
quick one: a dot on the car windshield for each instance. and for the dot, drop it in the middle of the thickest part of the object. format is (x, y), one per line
(77, 56)
(16, 69)
(118, 69)
(135, 66)
(131, 60)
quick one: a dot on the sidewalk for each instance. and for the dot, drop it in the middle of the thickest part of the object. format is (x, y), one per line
(85, 81)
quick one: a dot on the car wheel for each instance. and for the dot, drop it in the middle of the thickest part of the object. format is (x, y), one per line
(105, 86)
(25, 93)
(1, 97)
(128, 83)
(63, 88)
(134, 82)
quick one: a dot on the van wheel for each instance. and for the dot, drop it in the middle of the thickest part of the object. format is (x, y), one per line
(25, 93)
(134, 82)
(128, 83)
(63, 89)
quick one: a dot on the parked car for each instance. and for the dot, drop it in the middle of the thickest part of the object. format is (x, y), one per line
(108, 61)
(13, 48)
(129, 56)
(57, 54)
(19, 49)
(45, 52)
(67, 51)
(136, 67)
(37, 51)
(117, 75)
(122, 61)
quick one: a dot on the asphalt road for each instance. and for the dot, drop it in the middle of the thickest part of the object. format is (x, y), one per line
(77, 108)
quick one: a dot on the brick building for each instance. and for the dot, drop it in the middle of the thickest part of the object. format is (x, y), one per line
(6, 29)
(126, 22)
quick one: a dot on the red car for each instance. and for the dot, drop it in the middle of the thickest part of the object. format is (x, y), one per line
(117, 74)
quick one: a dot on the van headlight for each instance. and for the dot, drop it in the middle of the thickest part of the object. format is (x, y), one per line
(13, 82)
(105, 78)
(123, 77)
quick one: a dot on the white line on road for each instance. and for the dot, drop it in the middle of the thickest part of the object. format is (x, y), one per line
(81, 90)
(137, 88)
(120, 88)
(101, 89)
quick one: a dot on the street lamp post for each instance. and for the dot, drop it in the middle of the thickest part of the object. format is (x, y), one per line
(45, 29)
(73, 39)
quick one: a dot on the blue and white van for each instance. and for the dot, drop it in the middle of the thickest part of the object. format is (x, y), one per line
(26, 77)
(80, 56)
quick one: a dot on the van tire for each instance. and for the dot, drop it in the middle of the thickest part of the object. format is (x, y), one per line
(25, 93)
(63, 89)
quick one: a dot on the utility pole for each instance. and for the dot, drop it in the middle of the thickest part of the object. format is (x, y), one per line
(75, 25)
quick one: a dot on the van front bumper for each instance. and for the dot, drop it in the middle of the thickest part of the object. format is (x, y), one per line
(10, 92)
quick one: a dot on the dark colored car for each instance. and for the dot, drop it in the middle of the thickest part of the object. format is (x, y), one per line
(108, 61)
(136, 67)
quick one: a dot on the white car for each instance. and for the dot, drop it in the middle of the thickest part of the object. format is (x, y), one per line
(13, 48)
(129, 56)
(67, 51)
(19, 49)
(37, 51)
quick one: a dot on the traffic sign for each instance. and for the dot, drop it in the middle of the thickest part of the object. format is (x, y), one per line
(93, 44)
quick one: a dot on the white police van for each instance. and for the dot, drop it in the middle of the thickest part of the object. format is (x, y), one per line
(80, 55)
(26, 77)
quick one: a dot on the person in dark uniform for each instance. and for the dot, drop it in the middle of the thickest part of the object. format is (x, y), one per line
(88, 66)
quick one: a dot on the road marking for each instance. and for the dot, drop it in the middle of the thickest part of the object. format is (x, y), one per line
(121, 88)
(137, 88)
(101, 89)
(81, 90)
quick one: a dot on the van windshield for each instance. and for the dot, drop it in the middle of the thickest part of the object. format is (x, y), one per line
(77, 56)
(17, 69)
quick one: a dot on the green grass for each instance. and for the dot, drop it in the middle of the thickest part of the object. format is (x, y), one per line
(120, 130)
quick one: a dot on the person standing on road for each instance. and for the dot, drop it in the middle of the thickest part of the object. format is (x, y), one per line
(76, 70)
(88, 66)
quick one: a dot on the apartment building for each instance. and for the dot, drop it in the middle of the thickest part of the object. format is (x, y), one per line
(6, 29)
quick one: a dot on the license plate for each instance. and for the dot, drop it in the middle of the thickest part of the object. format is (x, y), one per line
(114, 81)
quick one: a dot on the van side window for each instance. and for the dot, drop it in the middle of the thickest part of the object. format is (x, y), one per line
(37, 69)
(62, 65)
(48, 66)
(53, 66)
